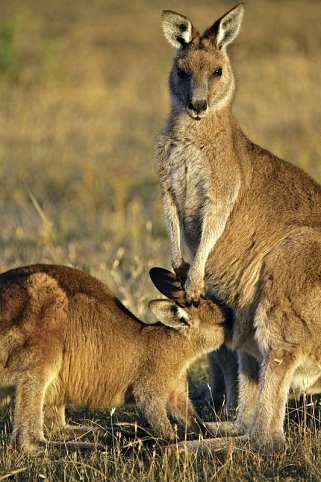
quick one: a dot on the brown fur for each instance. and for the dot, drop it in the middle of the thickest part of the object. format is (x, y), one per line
(252, 223)
(66, 339)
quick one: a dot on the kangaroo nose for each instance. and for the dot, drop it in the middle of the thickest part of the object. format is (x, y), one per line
(197, 106)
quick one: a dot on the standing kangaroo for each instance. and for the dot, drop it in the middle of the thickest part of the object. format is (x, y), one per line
(66, 339)
(252, 223)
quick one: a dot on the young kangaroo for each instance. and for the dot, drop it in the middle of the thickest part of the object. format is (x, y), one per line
(66, 339)
(252, 223)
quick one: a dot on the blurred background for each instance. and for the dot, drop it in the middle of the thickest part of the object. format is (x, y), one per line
(83, 94)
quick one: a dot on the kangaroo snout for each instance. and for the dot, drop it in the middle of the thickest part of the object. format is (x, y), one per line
(197, 108)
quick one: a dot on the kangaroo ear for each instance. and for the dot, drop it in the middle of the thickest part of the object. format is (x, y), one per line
(226, 28)
(178, 29)
(167, 284)
(169, 314)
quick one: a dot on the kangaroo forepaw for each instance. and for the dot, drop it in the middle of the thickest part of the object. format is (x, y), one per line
(194, 290)
(181, 272)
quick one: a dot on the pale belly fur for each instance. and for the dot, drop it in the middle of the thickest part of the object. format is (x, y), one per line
(189, 178)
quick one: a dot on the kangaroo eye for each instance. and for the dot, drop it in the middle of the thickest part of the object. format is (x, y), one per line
(217, 72)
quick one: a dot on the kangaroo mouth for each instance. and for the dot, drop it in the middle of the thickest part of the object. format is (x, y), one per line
(195, 115)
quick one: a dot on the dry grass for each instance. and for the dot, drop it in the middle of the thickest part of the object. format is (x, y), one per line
(83, 93)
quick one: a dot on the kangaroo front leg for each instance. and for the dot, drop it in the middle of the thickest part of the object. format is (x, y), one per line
(154, 408)
(183, 410)
(214, 221)
(275, 378)
(173, 227)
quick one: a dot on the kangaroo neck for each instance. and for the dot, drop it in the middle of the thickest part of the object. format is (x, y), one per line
(211, 129)
(189, 347)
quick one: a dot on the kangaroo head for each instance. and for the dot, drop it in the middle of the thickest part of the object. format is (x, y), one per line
(201, 80)
(205, 322)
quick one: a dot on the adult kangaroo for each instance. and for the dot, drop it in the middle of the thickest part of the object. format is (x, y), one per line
(252, 223)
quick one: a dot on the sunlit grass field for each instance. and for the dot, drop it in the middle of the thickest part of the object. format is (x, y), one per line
(83, 94)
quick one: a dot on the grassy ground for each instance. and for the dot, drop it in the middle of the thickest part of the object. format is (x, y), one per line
(83, 93)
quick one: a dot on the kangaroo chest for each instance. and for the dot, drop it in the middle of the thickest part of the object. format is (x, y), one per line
(189, 177)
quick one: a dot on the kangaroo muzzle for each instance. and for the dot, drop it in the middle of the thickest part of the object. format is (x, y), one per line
(197, 108)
